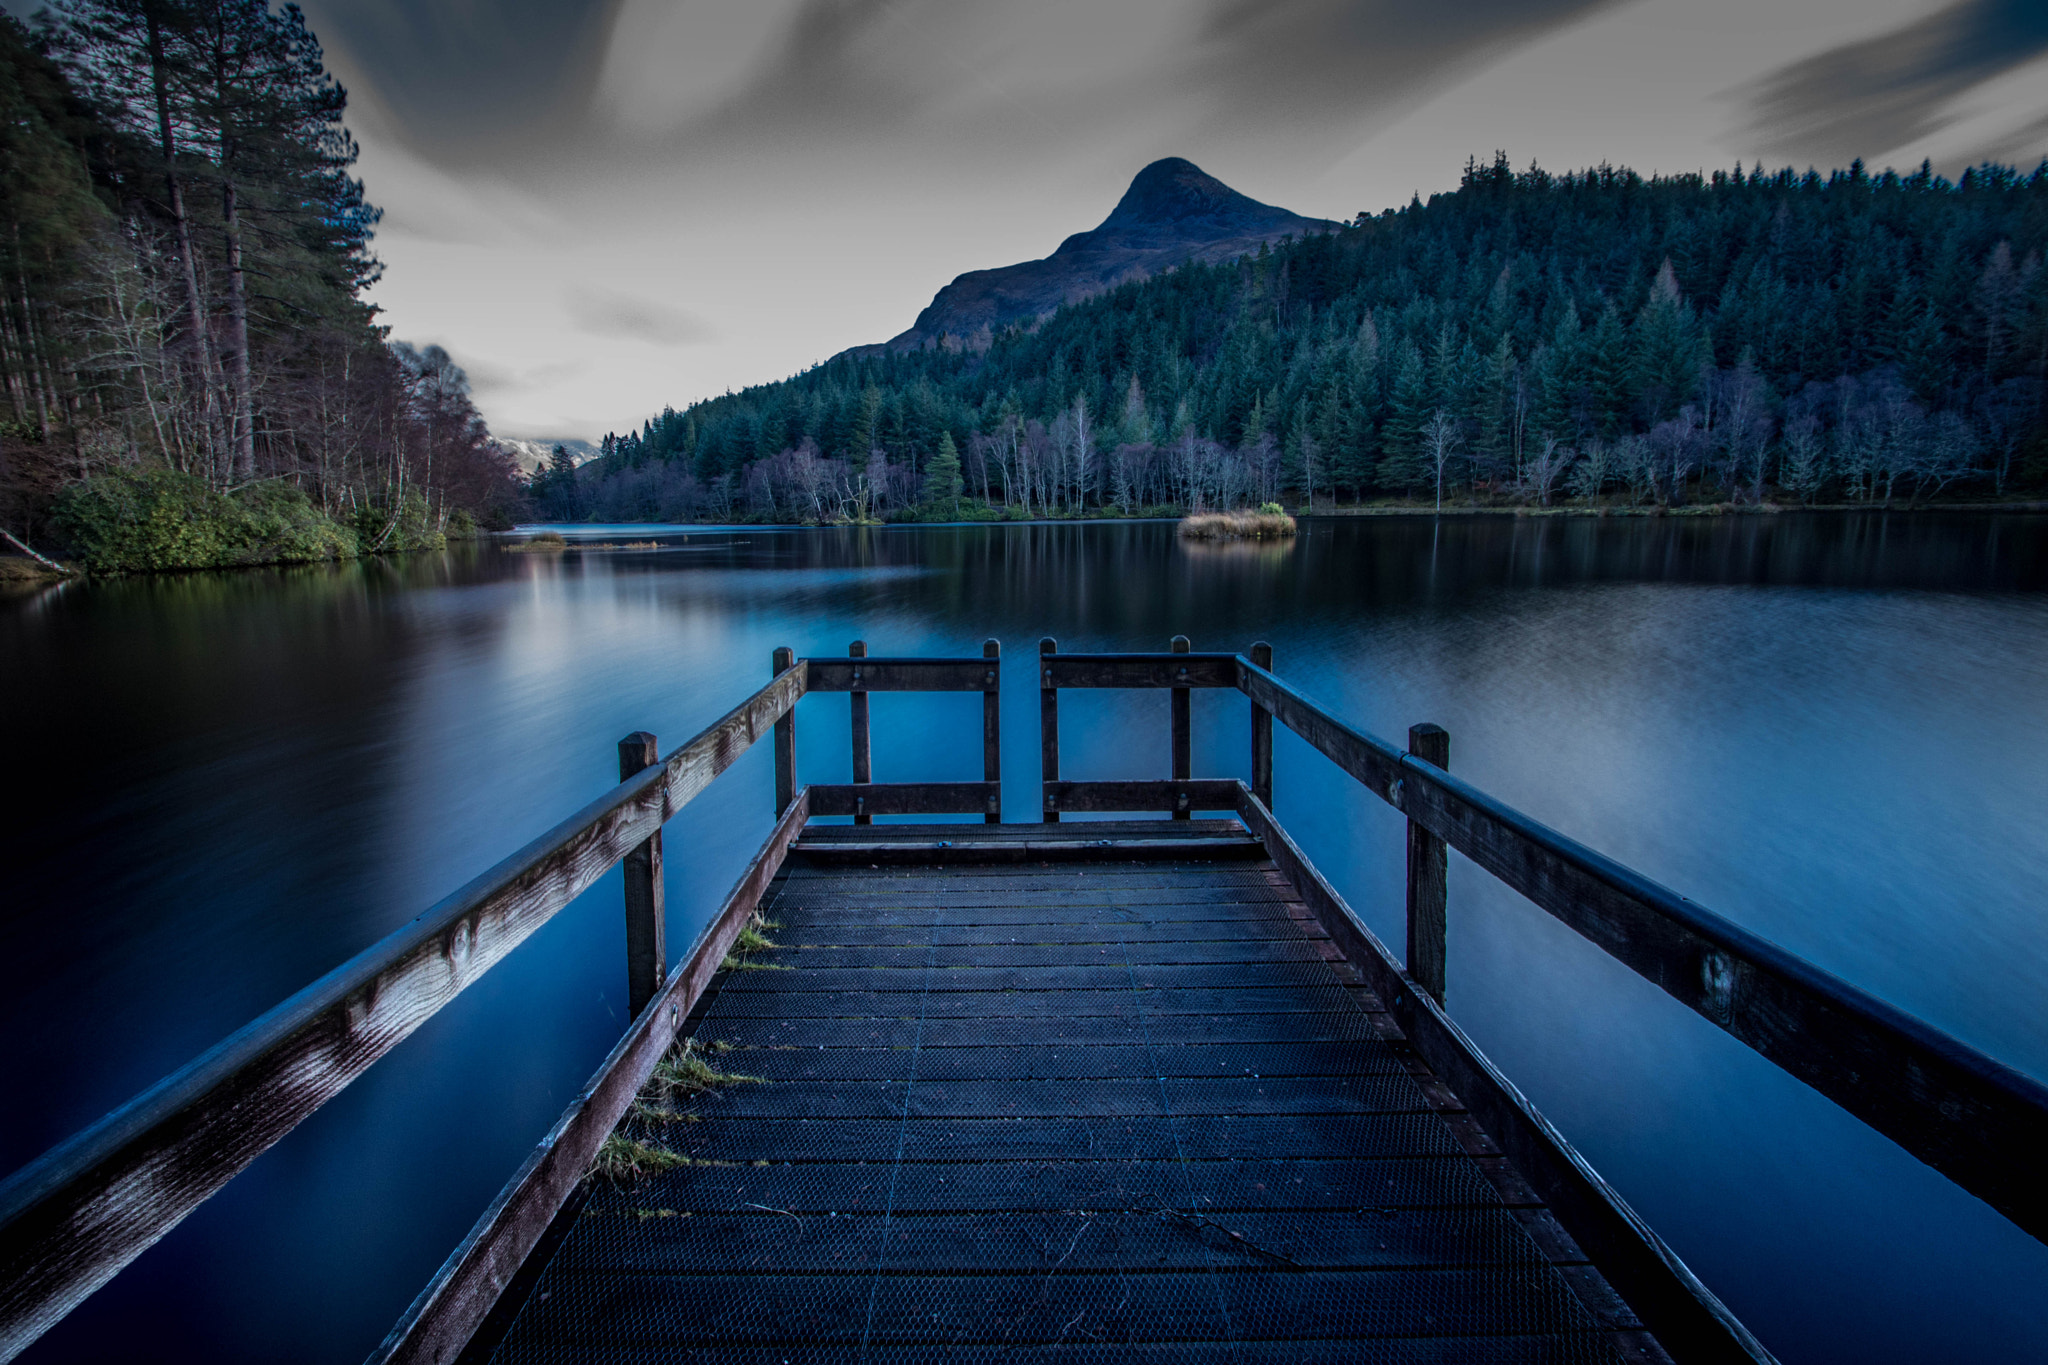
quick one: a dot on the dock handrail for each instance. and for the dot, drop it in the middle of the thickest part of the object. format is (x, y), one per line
(1977, 1121)
(74, 1217)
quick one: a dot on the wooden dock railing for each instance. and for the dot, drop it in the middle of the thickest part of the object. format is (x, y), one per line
(70, 1220)
(1977, 1121)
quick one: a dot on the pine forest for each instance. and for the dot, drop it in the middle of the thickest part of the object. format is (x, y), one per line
(1593, 338)
(192, 375)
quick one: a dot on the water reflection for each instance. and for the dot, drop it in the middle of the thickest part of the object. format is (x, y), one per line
(1826, 727)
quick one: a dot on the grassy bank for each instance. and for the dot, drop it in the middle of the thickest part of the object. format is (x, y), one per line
(162, 521)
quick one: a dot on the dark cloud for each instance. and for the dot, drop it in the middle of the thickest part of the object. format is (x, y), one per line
(1307, 59)
(471, 77)
(988, 80)
(1868, 97)
(607, 314)
(2025, 146)
(487, 380)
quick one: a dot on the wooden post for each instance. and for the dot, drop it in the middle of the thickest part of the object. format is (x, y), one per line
(785, 738)
(863, 766)
(992, 729)
(1048, 730)
(1262, 735)
(646, 946)
(1428, 863)
(1183, 744)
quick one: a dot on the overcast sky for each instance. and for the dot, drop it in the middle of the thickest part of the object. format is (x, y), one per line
(604, 206)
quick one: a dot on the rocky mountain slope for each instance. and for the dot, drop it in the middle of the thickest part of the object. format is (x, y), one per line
(1173, 212)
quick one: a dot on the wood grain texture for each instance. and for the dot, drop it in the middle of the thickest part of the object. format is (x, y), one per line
(863, 758)
(992, 727)
(646, 913)
(1181, 727)
(71, 1219)
(439, 1322)
(1181, 799)
(1048, 728)
(1980, 1123)
(785, 737)
(1687, 1318)
(1029, 1143)
(1262, 734)
(950, 845)
(898, 675)
(1428, 873)
(1977, 1121)
(1143, 670)
(1373, 761)
(903, 798)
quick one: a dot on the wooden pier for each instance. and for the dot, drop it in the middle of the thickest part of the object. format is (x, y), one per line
(1143, 1089)
(1093, 1107)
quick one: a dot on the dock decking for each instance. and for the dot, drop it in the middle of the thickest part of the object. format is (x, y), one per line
(1029, 1106)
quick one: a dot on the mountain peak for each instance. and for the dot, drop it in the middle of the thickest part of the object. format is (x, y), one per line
(1171, 189)
(1174, 201)
(1173, 212)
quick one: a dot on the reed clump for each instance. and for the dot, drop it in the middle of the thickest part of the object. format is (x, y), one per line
(753, 939)
(1267, 523)
(636, 1151)
(540, 542)
(686, 1073)
(626, 1160)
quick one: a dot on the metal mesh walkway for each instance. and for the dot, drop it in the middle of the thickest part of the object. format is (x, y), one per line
(1133, 1111)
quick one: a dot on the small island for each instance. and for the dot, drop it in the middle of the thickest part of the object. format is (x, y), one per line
(1269, 522)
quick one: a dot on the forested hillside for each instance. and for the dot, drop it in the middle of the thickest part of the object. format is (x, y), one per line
(1595, 336)
(191, 375)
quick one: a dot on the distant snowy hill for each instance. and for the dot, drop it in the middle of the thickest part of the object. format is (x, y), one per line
(531, 455)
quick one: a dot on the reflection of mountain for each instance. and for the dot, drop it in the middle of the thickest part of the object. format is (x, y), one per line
(1172, 213)
(531, 455)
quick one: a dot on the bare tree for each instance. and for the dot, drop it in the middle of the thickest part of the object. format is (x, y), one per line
(1592, 471)
(1677, 447)
(1803, 464)
(1441, 441)
(1545, 468)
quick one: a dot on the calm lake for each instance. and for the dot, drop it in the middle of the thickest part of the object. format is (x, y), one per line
(1833, 730)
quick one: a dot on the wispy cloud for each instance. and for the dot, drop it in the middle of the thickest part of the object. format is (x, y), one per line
(603, 312)
(1311, 59)
(1869, 97)
(645, 82)
(487, 380)
(470, 79)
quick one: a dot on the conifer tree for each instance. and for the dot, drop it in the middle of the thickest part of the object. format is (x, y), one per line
(942, 483)
(1408, 412)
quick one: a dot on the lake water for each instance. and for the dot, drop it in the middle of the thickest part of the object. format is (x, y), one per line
(1830, 729)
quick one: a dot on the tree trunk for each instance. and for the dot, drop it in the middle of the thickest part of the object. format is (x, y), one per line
(199, 334)
(243, 427)
(31, 350)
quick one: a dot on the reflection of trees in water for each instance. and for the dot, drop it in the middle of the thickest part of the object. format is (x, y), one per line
(1121, 581)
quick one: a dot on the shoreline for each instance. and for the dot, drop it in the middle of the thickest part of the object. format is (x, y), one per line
(2026, 506)
(20, 572)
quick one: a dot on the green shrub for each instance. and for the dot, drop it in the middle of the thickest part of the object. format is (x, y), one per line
(159, 520)
(147, 521)
(382, 530)
(461, 525)
(280, 525)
